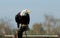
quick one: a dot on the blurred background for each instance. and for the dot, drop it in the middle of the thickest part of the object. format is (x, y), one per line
(44, 17)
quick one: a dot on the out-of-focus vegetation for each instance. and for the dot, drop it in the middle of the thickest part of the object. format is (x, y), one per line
(50, 26)
(6, 27)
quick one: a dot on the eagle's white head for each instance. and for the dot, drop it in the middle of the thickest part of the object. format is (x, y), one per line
(23, 12)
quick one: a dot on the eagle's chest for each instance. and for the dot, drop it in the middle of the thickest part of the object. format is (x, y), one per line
(24, 17)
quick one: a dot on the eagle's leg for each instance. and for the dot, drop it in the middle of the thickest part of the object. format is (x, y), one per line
(21, 30)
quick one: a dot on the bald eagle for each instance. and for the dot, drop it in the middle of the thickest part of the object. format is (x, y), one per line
(23, 17)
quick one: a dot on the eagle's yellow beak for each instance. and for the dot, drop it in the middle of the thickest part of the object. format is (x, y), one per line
(28, 11)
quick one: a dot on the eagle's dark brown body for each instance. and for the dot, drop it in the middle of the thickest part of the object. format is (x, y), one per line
(22, 19)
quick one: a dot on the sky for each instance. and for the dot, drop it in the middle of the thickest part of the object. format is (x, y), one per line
(39, 8)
